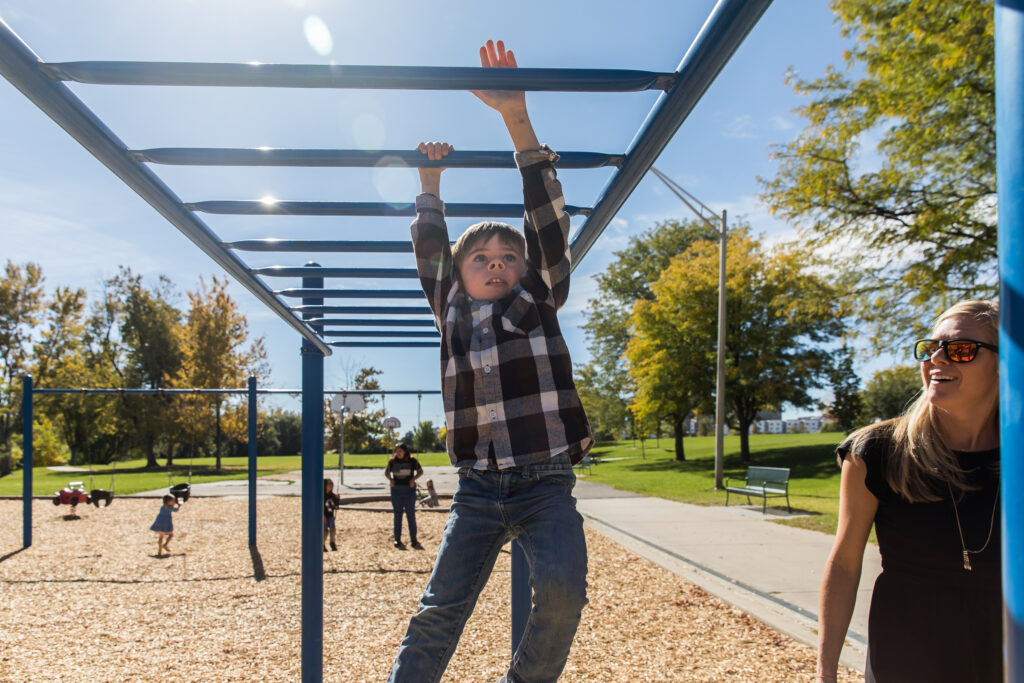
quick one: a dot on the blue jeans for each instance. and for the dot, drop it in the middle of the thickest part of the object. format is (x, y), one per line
(403, 499)
(533, 503)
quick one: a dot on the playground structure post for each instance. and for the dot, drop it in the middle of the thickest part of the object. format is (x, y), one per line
(253, 452)
(312, 497)
(1009, 69)
(26, 461)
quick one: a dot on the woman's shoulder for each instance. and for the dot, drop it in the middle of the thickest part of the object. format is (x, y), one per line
(873, 443)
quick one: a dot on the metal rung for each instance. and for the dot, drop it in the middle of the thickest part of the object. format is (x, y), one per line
(357, 246)
(381, 333)
(340, 247)
(352, 293)
(370, 322)
(355, 158)
(364, 345)
(255, 207)
(361, 77)
(316, 271)
(362, 310)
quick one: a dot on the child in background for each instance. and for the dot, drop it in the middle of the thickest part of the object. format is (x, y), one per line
(331, 502)
(515, 422)
(163, 525)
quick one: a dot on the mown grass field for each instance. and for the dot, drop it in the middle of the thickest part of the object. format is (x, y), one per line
(653, 470)
(650, 470)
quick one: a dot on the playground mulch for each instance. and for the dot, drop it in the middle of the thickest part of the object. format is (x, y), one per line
(90, 601)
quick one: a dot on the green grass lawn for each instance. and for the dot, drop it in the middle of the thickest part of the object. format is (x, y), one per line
(653, 471)
(131, 476)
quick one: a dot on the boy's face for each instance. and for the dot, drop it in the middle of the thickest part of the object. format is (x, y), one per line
(491, 269)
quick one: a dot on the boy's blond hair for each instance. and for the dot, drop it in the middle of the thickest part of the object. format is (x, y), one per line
(481, 232)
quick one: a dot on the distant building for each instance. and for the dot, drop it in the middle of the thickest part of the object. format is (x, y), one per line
(808, 424)
(769, 422)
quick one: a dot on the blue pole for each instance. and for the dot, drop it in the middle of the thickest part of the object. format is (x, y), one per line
(26, 461)
(253, 445)
(1009, 42)
(312, 498)
(522, 598)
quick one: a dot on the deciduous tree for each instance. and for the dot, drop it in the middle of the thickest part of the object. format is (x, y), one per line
(895, 171)
(891, 391)
(22, 302)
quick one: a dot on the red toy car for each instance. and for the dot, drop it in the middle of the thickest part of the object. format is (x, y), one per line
(72, 494)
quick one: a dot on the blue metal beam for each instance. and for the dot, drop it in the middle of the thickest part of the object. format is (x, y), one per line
(370, 322)
(26, 461)
(360, 77)
(26, 73)
(289, 271)
(257, 207)
(339, 247)
(382, 333)
(722, 33)
(1009, 43)
(364, 310)
(253, 452)
(375, 345)
(355, 158)
(357, 293)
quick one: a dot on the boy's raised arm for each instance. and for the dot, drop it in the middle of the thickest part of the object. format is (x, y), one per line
(430, 233)
(546, 225)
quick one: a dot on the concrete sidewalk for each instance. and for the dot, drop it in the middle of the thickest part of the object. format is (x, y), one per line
(771, 571)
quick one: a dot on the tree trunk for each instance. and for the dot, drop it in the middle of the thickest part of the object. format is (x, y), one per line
(216, 436)
(744, 426)
(170, 453)
(151, 463)
(677, 427)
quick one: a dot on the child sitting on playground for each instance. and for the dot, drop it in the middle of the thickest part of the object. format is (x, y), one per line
(163, 525)
(331, 502)
(515, 422)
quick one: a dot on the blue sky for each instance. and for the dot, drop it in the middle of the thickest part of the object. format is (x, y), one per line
(61, 208)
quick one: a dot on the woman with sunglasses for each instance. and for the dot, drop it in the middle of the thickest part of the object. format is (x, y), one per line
(929, 482)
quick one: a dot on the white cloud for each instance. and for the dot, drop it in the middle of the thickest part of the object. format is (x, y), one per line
(742, 126)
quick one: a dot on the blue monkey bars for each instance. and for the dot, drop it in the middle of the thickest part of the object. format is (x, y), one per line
(722, 33)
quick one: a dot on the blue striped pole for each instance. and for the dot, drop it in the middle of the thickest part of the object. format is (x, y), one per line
(1009, 41)
(312, 498)
(26, 461)
(253, 445)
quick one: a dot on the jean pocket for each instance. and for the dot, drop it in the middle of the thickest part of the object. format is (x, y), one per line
(566, 478)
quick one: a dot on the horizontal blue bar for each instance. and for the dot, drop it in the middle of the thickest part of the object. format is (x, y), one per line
(361, 77)
(256, 207)
(432, 334)
(370, 322)
(340, 247)
(362, 310)
(355, 158)
(374, 345)
(319, 271)
(352, 293)
(296, 392)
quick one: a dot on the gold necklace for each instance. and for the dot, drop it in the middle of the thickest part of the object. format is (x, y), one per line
(991, 524)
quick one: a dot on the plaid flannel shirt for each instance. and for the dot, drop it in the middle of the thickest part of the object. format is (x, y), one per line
(506, 375)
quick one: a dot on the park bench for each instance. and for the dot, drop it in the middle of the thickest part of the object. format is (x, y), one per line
(763, 482)
(585, 463)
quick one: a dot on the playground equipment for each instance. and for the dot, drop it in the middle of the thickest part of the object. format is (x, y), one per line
(726, 27)
(72, 494)
(426, 496)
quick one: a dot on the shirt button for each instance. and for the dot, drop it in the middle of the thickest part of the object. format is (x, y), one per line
(486, 330)
(494, 415)
(487, 369)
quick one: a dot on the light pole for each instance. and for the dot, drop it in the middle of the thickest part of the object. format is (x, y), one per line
(722, 232)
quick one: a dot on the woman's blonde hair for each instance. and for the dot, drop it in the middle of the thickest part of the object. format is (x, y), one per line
(920, 458)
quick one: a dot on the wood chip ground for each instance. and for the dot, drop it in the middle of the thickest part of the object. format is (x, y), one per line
(89, 601)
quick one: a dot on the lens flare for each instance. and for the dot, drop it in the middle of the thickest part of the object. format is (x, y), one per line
(395, 182)
(318, 35)
(368, 131)
(268, 200)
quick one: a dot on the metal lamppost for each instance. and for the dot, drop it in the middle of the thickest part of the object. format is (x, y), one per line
(721, 230)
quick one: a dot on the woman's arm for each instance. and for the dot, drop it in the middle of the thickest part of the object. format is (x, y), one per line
(857, 508)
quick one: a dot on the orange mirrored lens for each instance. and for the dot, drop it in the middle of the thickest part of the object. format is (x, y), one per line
(961, 351)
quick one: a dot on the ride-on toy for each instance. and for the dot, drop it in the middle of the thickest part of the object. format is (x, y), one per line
(72, 494)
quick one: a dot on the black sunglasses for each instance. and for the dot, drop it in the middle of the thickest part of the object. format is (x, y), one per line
(957, 350)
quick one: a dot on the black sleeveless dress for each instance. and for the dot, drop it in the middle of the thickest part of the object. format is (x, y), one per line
(930, 619)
